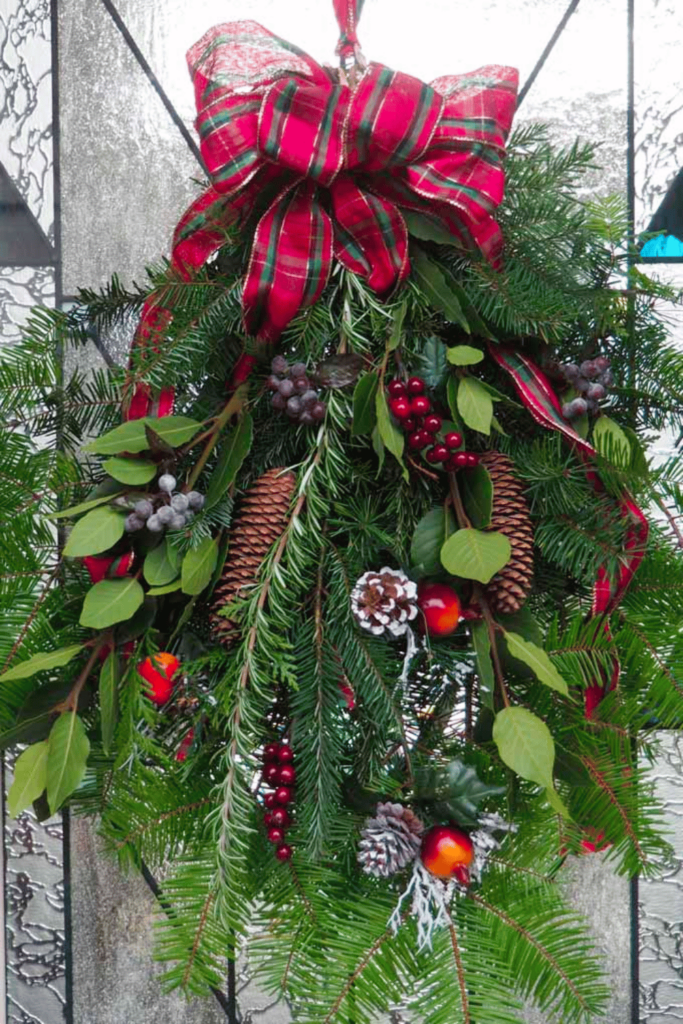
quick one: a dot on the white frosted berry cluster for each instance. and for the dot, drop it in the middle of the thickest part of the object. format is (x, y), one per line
(293, 393)
(167, 510)
(591, 379)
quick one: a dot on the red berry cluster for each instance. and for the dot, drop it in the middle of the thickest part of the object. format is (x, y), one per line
(279, 772)
(413, 410)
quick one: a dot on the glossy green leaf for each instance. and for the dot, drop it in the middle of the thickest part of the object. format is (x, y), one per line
(128, 437)
(556, 803)
(436, 290)
(68, 749)
(537, 660)
(431, 533)
(111, 601)
(481, 642)
(475, 555)
(396, 335)
(428, 230)
(525, 744)
(109, 680)
(168, 588)
(233, 453)
(611, 442)
(477, 495)
(97, 531)
(452, 396)
(390, 434)
(130, 471)
(41, 662)
(161, 564)
(198, 566)
(174, 430)
(475, 405)
(84, 506)
(364, 409)
(30, 778)
(464, 355)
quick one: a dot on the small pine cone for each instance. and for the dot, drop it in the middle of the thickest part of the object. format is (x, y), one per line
(390, 840)
(509, 589)
(260, 522)
(384, 601)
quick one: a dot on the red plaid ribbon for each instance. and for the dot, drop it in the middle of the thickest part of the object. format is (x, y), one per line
(543, 404)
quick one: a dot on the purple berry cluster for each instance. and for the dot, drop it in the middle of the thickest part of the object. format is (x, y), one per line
(165, 510)
(591, 379)
(293, 393)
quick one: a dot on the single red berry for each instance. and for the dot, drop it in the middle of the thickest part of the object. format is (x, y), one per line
(397, 388)
(185, 746)
(420, 405)
(158, 672)
(440, 607)
(453, 440)
(271, 773)
(411, 423)
(432, 456)
(400, 407)
(268, 818)
(416, 386)
(472, 460)
(280, 818)
(285, 754)
(459, 460)
(284, 852)
(286, 775)
(275, 835)
(270, 751)
(283, 795)
(440, 452)
(433, 423)
(270, 801)
(417, 440)
(447, 852)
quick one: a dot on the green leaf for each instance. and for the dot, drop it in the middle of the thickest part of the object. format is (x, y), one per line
(169, 588)
(431, 533)
(537, 660)
(396, 335)
(85, 506)
(456, 791)
(128, 437)
(390, 434)
(427, 230)
(477, 496)
(525, 745)
(431, 363)
(436, 290)
(97, 531)
(111, 601)
(41, 662)
(475, 555)
(364, 410)
(109, 679)
(161, 564)
(174, 430)
(464, 355)
(452, 397)
(378, 447)
(481, 642)
(30, 778)
(68, 749)
(233, 453)
(198, 566)
(611, 442)
(553, 798)
(475, 405)
(130, 471)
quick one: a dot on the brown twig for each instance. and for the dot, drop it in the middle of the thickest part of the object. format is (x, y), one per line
(466, 1019)
(671, 519)
(71, 702)
(233, 406)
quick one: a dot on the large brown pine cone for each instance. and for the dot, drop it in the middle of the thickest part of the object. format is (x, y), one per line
(509, 589)
(261, 519)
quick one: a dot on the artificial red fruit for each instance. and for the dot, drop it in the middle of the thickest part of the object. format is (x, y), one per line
(432, 457)
(453, 439)
(271, 773)
(283, 795)
(286, 775)
(416, 386)
(268, 818)
(441, 452)
(284, 852)
(472, 460)
(410, 423)
(400, 407)
(459, 460)
(433, 423)
(596, 844)
(440, 607)
(420, 405)
(158, 672)
(185, 746)
(279, 817)
(285, 754)
(417, 440)
(275, 835)
(447, 852)
(269, 801)
(270, 751)
(396, 389)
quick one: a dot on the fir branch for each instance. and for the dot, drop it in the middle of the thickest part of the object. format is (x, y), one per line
(461, 974)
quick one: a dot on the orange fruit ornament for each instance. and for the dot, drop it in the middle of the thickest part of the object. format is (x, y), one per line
(440, 607)
(447, 852)
(158, 672)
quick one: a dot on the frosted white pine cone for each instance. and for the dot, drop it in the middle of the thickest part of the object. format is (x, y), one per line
(384, 601)
(390, 840)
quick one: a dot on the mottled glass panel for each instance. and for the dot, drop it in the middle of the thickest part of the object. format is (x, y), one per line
(21, 288)
(672, 313)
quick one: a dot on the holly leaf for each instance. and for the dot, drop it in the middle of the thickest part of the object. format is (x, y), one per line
(436, 290)
(41, 663)
(475, 555)
(97, 531)
(456, 791)
(391, 436)
(233, 453)
(161, 564)
(111, 601)
(30, 778)
(198, 566)
(109, 679)
(431, 533)
(537, 660)
(364, 408)
(611, 442)
(481, 641)
(475, 405)
(477, 496)
(68, 749)
(431, 363)
(464, 355)
(130, 471)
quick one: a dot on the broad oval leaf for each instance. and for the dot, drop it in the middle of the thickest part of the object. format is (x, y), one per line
(169, 588)
(436, 290)
(41, 662)
(396, 336)
(128, 437)
(611, 442)
(481, 642)
(174, 430)
(130, 471)
(525, 744)
(475, 555)
(30, 778)
(161, 564)
(109, 679)
(477, 496)
(364, 410)
(233, 453)
(390, 434)
(68, 749)
(97, 531)
(537, 660)
(111, 601)
(475, 405)
(431, 533)
(428, 229)
(198, 566)
(464, 355)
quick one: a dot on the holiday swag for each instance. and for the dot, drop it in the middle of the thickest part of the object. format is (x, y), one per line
(356, 626)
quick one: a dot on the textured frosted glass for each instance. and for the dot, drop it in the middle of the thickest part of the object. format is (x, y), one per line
(21, 288)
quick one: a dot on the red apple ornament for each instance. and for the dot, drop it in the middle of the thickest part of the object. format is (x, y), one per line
(440, 607)
(158, 672)
(447, 852)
